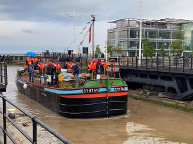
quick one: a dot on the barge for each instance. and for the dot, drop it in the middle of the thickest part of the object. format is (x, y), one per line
(95, 98)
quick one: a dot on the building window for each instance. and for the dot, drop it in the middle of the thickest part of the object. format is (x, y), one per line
(134, 33)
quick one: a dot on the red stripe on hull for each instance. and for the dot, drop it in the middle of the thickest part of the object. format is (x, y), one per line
(96, 95)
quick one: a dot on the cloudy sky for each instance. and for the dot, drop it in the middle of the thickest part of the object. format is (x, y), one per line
(37, 25)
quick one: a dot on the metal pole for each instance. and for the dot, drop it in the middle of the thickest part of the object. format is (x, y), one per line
(140, 34)
(191, 62)
(34, 131)
(93, 36)
(157, 63)
(183, 63)
(127, 61)
(169, 63)
(4, 120)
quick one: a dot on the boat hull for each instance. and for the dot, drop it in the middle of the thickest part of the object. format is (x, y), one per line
(90, 105)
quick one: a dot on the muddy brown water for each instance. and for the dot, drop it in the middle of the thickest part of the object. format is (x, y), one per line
(144, 122)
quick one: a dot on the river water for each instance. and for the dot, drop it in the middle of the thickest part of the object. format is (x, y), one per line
(144, 122)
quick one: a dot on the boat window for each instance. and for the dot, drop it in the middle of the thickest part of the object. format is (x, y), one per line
(134, 74)
(153, 77)
(166, 78)
(143, 75)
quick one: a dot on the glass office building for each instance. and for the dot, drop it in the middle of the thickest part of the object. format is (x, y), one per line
(161, 33)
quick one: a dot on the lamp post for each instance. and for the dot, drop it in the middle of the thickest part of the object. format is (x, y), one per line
(140, 32)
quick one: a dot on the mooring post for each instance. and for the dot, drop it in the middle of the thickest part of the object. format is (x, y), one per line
(4, 120)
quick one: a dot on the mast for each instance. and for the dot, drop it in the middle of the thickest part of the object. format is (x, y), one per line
(93, 20)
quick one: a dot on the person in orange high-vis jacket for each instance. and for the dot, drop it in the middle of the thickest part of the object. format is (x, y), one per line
(90, 68)
(69, 65)
(58, 71)
(41, 70)
(94, 68)
(28, 60)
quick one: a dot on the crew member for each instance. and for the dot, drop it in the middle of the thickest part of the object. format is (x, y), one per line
(57, 72)
(41, 71)
(31, 71)
(76, 71)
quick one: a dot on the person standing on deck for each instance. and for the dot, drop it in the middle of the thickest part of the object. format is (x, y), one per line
(76, 71)
(58, 71)
(66, 65)
(48, 72)
(30, 70)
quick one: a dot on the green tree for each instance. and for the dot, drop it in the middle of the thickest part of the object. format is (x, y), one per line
(109, 49)
(162, 51)
(177, 46)
(118, 49)
(147, 48)
(98, 50)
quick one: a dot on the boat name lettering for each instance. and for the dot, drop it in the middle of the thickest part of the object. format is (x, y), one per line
(119, 89)
(91, 90)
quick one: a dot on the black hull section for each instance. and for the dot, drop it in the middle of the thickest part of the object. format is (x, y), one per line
(76, 107)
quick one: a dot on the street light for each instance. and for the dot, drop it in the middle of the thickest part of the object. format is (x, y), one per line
(140, 32)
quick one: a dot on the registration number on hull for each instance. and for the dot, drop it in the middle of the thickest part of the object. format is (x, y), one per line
(119, 88)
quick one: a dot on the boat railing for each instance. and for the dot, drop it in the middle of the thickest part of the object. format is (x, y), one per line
(35, 123)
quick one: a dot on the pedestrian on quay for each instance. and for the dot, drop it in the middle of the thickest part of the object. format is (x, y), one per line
(30, 70)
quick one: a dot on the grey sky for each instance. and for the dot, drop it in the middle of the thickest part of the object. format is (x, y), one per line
(33, 22)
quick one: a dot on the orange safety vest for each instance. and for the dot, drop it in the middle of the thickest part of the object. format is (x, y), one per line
(58, 66)
(89, 67)
(42, 66)
(94, 66)
(105, 66)
(69, 64)
(25, 66)
(28, 59)
(35, 59)
(49, 63)
(54, 64)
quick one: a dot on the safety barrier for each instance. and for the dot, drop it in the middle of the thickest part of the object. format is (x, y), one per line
(35, 122)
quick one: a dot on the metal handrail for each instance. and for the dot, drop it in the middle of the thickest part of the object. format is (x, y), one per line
(160, 63)
(35, 121)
